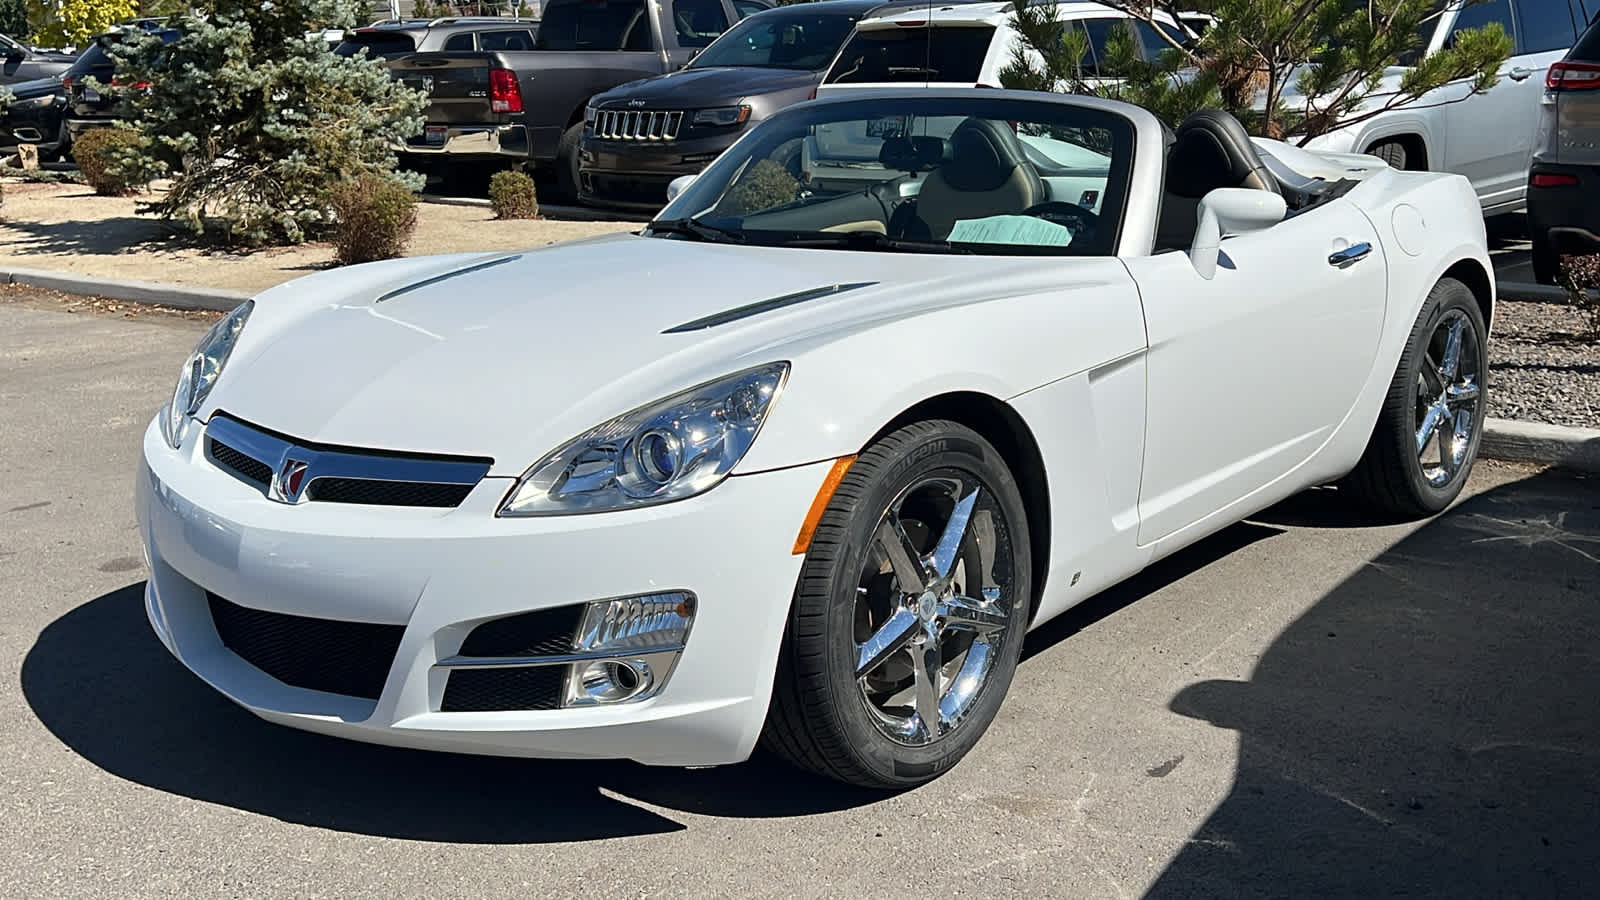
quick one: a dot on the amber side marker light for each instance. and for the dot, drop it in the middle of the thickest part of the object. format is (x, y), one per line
(802, 541)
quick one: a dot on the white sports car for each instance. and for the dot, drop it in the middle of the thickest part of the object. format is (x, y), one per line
(804, 460)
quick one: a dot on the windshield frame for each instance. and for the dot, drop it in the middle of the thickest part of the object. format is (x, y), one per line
(764, 19)
(703, 195)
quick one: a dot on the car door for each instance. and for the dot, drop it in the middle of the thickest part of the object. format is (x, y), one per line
(1495, 159)
(1251, 371)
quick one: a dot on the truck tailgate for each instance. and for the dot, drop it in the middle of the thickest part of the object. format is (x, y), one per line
(457, 85)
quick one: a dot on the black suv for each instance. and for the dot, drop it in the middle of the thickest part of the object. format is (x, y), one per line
(398, 37)
(641, 135)
(1564, 180)
(90, 107)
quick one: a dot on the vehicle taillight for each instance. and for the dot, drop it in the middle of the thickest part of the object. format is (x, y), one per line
(66, 82)
(505, 95)
(137, 85)
(1554, 180)
(1573, 76)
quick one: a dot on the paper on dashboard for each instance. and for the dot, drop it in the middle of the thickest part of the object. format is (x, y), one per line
(1024, 230)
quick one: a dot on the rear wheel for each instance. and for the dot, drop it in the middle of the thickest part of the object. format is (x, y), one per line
(1426, 439)
(1391, 152)
(1546, 261)
(909, 614)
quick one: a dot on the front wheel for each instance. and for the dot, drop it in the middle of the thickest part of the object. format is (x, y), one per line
(567, 164)
(909, 614)
(1426, 439)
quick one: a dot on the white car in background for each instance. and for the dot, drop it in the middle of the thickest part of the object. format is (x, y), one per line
(803, 462)
(1488, 138)
(969, 44)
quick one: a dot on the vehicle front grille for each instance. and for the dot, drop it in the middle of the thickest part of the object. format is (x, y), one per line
(387, 493)
(338, 657)
(239, 463)
(637, 125)
(501, 690)
(338, 474)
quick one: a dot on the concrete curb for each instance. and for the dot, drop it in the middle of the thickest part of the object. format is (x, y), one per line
(546, 210)
(1536, 442)
(179, 296)
(1528, 291)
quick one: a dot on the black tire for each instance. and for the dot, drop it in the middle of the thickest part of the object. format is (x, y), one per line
(1546, 261)
(1391, 479)
(821, 718)
(1391, 152)
(567, 165)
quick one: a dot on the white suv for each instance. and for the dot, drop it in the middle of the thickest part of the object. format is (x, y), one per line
(966, 44)
(1488, 138)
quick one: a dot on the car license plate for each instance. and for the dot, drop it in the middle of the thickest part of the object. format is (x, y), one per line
(90, 95)
(435, 134)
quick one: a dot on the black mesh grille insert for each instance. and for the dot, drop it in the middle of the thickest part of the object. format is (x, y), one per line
(387, 493)
(544, 632)
(350, 658)
(246, 467)
(498, 690)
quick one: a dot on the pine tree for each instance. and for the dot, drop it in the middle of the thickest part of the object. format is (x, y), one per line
(14, 19)
(1290, 70)
(255, 123)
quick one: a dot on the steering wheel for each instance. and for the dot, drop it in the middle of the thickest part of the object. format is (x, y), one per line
(1080, 219)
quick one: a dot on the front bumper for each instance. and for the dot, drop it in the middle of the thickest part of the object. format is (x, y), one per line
(467, 141)
(635, 174)
(1567, 215)
(440, 572)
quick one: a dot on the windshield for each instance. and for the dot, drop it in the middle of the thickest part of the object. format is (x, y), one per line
(378, 44)
(946, 53)
(942, 175)
(781, 39)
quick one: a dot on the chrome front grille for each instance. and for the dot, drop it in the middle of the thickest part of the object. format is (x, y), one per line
(637, 124)
(290, 471)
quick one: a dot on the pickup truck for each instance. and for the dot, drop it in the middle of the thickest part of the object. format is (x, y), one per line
(19, 62)
(526, 105)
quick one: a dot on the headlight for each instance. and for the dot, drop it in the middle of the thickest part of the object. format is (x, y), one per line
(588, 116)
(668, 450)
(200, 371)
(722, 115)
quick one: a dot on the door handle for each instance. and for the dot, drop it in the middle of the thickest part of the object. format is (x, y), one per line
(1349, 255)
(1520, 73)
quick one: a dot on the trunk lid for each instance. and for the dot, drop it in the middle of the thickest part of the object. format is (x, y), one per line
(459, 86)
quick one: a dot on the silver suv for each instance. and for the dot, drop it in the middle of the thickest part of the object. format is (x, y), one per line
(1564, 180)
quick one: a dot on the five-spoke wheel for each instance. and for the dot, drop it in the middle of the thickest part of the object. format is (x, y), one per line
(910, 611)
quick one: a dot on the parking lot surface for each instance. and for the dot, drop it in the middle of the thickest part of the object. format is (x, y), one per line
(1298, 706)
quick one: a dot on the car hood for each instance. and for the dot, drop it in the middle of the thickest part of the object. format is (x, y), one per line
(711, 86)
(509, 355)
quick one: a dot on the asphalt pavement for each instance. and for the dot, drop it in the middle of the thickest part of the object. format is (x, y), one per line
(1299, 706)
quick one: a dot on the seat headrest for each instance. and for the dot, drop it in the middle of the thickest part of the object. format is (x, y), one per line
(983, 154)
(1212, 150)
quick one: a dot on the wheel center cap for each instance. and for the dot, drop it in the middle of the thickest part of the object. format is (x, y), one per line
(927, 606)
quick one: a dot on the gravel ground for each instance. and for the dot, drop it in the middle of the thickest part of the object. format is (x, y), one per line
(1542, 368)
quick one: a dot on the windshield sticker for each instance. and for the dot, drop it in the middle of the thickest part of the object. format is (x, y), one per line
(1010, 230)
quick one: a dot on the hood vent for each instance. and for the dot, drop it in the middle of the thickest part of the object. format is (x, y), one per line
(478, 267)
(763, 306)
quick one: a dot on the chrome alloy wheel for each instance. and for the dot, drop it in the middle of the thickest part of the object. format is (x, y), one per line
(933, 606)
(1449, 390)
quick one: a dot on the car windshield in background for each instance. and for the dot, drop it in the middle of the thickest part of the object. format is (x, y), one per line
(595, 25)
(378, 44)
(784, 39)
(983, 175)
(946, 53)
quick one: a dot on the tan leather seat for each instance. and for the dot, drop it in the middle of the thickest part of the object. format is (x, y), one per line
(986, 175)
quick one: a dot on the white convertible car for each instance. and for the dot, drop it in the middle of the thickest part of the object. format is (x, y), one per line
(803, 461)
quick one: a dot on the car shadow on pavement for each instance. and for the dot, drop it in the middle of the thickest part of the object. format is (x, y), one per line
(1429, 728)
(99, 680)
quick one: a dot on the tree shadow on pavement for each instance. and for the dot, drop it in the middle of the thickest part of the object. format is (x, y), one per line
(99, 680)
(1431, 727)
(96, 237)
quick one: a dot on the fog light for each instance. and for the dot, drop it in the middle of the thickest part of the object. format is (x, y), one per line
(610, 681)
(637, 641)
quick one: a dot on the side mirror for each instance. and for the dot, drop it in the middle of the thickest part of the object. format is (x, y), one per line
(1231, 211)
(678, 185)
